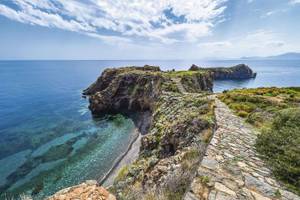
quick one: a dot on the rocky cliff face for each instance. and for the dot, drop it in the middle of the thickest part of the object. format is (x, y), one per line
(240, 71)
(182, 123)
(136, 89)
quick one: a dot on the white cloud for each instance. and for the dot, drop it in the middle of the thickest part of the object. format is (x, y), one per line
(257, 43)
(293, 2)
(121, 20)
(216, 45)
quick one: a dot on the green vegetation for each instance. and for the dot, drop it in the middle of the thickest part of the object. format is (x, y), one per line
(122, 173)
(182, 126)
(259, 106)
(276, 113)
(279, 145)
(183, 73)
(118, 120)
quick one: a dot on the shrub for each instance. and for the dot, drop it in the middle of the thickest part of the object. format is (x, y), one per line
(122, 173)
(279, 145)
(242, 114)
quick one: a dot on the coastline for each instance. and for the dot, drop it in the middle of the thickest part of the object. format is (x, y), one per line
(130, 155)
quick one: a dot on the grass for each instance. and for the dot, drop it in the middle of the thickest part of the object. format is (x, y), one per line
(259, 106)
(276, 113)
(122, 173)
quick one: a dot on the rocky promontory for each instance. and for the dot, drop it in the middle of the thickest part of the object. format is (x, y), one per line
(240, 71)
(180, 125)
(133, 90)
(193, 147)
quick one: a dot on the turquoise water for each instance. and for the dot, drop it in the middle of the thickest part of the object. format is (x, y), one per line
(48, 138)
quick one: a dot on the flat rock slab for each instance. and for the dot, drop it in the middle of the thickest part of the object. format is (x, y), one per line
(231, 168)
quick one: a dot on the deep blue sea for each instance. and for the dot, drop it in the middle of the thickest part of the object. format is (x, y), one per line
(48, 139)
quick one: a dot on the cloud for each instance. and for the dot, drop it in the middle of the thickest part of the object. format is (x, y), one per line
(216, 45)
(293, 2)
(255, 43)
(159, 20)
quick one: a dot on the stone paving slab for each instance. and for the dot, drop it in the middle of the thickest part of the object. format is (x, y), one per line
(231, 168)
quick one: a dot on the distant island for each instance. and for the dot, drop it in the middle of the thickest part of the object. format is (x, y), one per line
(285, 56)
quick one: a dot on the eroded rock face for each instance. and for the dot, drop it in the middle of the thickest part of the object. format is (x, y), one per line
(87, 190)
(240, 71)
(124, 90)
(132, 89)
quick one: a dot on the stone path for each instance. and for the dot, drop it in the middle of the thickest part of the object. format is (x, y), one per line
(231, 169)
(179, 85)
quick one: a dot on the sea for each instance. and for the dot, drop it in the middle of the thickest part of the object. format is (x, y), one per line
(48, 138)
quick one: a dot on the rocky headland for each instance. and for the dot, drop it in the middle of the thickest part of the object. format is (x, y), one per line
(193, 146)
(240, 71)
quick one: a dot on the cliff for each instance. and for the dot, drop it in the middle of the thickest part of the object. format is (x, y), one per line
(179, 126)
(181, 129)
(194, 147)
(240, 71)
(135, 90)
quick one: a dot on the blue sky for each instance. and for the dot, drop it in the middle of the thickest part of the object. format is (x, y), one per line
(147, 29)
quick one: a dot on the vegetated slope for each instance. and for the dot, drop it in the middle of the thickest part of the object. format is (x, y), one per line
(170, 153)
(276, 112)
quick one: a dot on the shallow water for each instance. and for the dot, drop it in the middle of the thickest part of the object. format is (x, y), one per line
(44, 119)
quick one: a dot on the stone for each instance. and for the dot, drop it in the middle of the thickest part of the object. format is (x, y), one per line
(210, 163)
(212, 195)
(223, 188)
(258, 196)
(87, 190)
(224, 196)
(91, 182)
(258, 185)
(190, 196)
(230, 184)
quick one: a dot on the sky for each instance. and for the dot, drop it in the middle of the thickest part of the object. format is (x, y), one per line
(147, 29)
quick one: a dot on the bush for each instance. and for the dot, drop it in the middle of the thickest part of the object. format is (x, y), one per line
(279, 145)
(242, 114)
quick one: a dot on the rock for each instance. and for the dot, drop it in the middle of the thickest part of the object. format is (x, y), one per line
(259, 196)
(88, 190)
(223, 188)
(256, 184)
(240, 71)
(209, 163)
(194, 68)
(133, 90)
